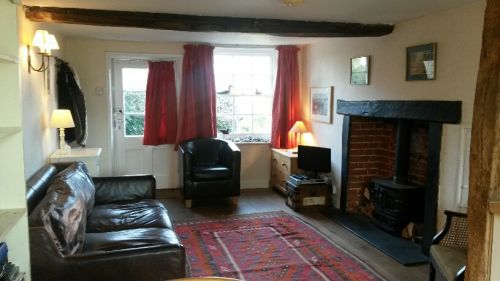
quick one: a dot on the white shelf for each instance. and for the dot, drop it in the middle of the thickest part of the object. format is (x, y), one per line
(9, 218)
(6, 131)
(8, 59)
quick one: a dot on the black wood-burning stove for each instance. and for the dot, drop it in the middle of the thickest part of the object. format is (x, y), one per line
(396, 205)
(396, 201)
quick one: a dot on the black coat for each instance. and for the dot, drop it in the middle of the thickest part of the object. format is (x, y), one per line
(70, 96)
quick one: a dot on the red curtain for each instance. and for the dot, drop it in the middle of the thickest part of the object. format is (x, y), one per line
(197, 100)
(160, 122)
(286, 103)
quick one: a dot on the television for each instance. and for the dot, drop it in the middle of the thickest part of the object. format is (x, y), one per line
(314, 160)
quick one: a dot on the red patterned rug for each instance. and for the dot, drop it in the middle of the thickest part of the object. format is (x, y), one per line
(267, 246)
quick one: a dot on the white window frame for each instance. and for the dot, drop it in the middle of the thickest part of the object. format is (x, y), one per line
(273, 53)
(463, 172)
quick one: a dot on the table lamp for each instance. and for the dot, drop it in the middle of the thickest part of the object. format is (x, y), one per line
(298, 129)
(61, 118)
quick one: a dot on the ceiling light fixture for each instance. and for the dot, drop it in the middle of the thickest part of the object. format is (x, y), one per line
(292, 3)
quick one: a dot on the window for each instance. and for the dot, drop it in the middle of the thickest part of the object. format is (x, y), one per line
(134, 82)
(244, 81)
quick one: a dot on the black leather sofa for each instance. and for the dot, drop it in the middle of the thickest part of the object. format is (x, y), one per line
(110, 228)
(210, 168)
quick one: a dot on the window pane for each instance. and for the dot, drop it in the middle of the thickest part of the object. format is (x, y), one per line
(261, 124)
(134, 79)
(223, 65)
(263, 84)
(225, 122)
(243, 85)
(262, 65)
(243, 105)
(242, 65)
(224, 104)
(134, 125)
(134, 102)
(222, 83)
(262, 105)
(243, 124)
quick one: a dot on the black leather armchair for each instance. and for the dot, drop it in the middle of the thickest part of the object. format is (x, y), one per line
(209, 168)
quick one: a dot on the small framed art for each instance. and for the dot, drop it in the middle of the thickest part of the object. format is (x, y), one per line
(321, 104)
(421, 62)
(360, 70)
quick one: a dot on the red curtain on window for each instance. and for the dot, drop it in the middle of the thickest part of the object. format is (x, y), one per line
(286, 103)
(197, 100)
(160, 122)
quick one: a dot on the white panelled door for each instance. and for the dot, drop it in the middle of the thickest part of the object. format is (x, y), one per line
(130, 155)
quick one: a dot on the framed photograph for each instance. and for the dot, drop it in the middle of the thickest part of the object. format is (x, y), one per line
(321, 104)
(421, 62)
(360, 70)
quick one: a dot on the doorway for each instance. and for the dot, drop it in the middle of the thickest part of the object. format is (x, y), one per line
(130, 156)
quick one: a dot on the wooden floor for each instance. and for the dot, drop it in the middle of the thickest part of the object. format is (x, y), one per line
(263, 200)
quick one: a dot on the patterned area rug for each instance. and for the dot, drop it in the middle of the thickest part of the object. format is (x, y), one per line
(267, 246)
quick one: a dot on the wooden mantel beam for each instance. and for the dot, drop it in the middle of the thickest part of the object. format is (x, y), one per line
(289, 28)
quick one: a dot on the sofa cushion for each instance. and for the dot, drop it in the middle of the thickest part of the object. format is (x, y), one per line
(211, 172)
(70, 198)
(128, 215)
(129, 239)
(448, 260)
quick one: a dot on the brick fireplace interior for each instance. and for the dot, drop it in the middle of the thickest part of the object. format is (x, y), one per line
(390, 161)
(372, 157)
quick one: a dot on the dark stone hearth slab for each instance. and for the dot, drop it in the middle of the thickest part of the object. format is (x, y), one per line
(403, 251)
(432, 111)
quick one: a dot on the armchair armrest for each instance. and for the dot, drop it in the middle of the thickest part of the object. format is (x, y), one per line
(122, 188)
(232, 156)
(186, 160)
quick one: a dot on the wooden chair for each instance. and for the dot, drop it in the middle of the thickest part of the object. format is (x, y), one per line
(448, 253)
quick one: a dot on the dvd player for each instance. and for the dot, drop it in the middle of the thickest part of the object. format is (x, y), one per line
(298, 179)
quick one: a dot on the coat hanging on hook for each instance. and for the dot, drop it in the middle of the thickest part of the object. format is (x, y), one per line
(70, 96)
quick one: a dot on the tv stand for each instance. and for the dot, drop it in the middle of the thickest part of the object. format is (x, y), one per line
(283, 164)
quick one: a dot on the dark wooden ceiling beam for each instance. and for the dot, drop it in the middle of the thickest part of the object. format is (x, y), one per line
(289, 28)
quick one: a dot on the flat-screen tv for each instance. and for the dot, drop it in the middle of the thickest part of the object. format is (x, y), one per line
(314, 159)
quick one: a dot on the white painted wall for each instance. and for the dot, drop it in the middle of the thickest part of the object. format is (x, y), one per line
(88, 58)
(458, 36)
(39, 140)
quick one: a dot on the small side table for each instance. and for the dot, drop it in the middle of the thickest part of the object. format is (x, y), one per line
(89, 156)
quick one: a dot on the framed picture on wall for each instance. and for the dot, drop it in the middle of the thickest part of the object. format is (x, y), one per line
(360, 70)
(321, 104)
(421, 62)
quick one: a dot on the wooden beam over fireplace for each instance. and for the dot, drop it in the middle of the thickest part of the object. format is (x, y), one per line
(164, 21)
(432, 111)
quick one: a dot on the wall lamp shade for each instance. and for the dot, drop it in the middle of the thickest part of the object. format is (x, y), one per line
(45, 42)
(61, 118)
(298, 129)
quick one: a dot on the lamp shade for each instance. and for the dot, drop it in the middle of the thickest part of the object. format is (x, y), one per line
(61, 118)
(45, 41)
(298, 127)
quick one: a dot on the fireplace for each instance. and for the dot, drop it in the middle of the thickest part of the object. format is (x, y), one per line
(390, 161)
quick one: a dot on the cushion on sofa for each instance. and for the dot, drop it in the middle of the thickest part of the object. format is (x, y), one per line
(128, 215)
(70, 199)
(128, 239)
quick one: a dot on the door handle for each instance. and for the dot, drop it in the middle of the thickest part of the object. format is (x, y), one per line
(117, 118)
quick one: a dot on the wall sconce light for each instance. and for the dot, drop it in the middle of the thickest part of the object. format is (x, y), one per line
(61, 118)
(45, 42)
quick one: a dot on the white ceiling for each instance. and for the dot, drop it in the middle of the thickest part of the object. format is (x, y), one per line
(362, 11)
